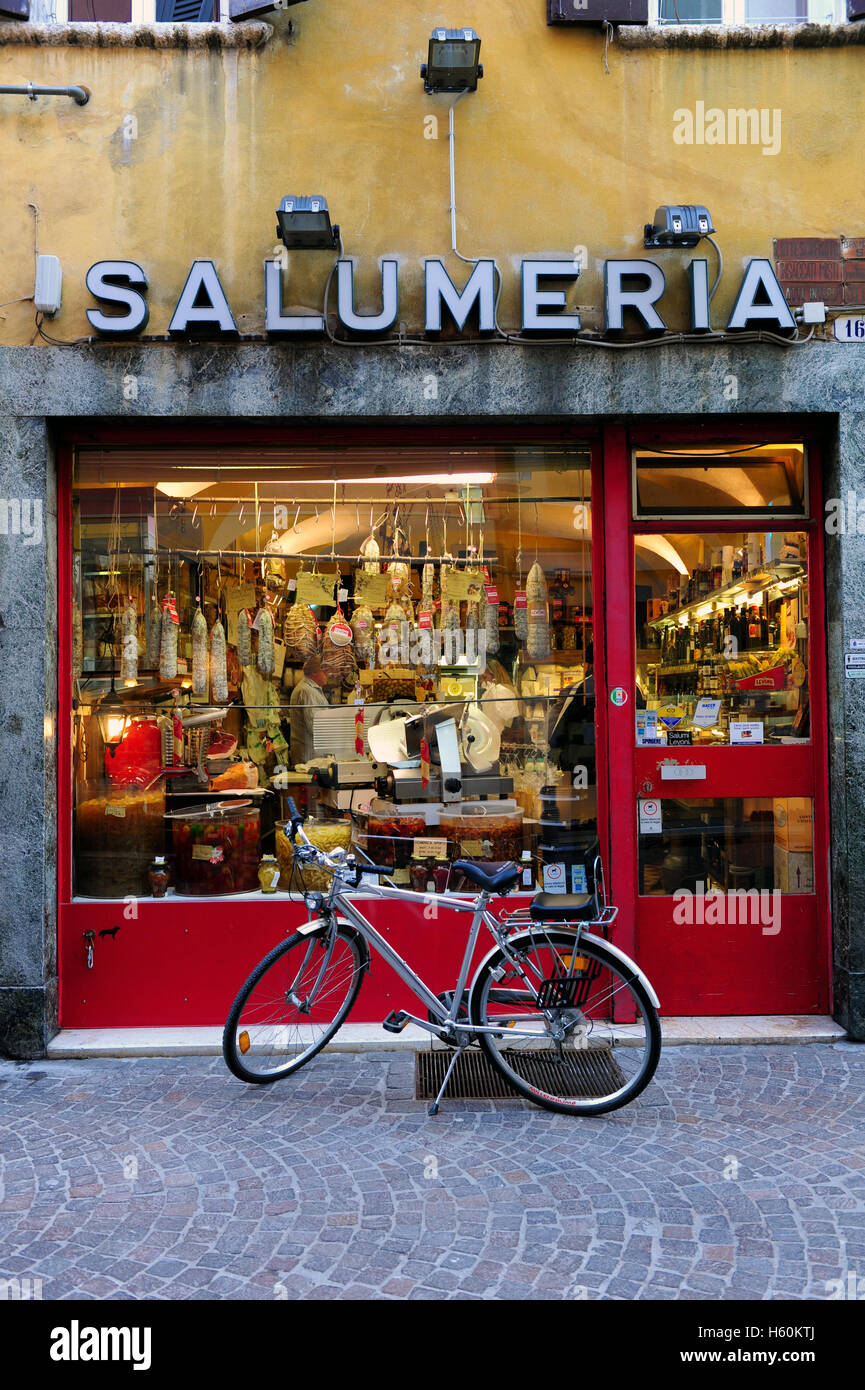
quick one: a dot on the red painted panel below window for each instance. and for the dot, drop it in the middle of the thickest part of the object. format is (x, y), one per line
(734, 969)
(178, 965)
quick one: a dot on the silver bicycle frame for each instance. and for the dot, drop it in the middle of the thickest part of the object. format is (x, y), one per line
(477, 906)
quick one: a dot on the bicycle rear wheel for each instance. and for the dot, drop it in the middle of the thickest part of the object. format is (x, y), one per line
(579, 1033)
(293, 1003)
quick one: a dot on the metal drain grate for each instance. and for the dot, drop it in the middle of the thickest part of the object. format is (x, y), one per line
(593, 1072)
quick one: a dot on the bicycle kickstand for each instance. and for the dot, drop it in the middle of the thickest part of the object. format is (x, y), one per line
(434, 1108)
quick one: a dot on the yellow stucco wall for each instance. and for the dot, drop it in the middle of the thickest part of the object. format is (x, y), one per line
(552, 153)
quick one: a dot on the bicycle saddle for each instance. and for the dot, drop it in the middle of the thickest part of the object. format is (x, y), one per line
(562, 907)
(492, 877)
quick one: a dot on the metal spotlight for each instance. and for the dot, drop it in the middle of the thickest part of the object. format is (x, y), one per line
(684, 225)
(452, 63)
(305, 222)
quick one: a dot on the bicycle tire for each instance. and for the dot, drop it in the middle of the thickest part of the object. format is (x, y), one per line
(483, 992)
(237, 1058)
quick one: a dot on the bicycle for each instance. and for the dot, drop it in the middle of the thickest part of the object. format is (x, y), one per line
(530, 1004)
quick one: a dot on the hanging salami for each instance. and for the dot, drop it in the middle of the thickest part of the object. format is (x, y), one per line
(168, 639)
(244, 638)
(199, 652)
(363, 631)
(538, 640)
(428, 584)
(129, 643)
(299, 632)
(218, 664)
(265, 642)
(77, 641)
(337, 655)
(154, 636)
(490, 619)
(370, 553)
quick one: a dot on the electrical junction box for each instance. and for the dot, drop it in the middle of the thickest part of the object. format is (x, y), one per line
(49, 281)
(813, 311)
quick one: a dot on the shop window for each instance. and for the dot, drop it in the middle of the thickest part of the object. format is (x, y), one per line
(750, 846)
(722, 637)
(249, 626)
(712, 481)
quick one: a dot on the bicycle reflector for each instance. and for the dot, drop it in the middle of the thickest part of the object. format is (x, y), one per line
(243, 1041)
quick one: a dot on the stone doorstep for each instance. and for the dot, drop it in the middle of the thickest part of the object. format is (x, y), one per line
(370, 1037)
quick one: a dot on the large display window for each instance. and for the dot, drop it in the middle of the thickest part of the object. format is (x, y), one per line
(401, 639)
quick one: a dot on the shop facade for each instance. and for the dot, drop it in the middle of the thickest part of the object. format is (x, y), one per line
(615, 569)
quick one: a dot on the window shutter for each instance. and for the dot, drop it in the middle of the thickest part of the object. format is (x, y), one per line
(599, 11)
(184, 11)
(15, 9)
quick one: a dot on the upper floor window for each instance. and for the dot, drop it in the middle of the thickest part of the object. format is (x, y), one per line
(735, 12)
(127, 11)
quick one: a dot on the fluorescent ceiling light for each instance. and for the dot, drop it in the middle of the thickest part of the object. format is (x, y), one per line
(177, 489)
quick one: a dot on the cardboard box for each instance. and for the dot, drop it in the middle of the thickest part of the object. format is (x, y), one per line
(794, 828)
(794, 873)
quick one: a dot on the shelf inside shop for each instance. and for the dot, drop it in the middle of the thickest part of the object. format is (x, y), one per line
(716, 659)
(556, 658)
(749, 584)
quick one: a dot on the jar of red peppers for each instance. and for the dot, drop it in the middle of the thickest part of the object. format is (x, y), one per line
(216, 849)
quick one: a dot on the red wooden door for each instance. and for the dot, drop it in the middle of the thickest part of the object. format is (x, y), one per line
(719, 851)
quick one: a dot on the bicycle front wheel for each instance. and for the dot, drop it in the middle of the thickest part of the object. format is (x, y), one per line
(293, 1003)
(574, 1029)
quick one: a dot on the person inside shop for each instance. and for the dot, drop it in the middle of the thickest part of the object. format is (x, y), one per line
(572, 721)
(308, 696)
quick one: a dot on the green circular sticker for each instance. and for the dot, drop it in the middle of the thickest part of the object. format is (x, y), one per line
(618, 695)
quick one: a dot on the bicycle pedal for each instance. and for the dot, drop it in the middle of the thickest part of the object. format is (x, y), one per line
(396, 1021)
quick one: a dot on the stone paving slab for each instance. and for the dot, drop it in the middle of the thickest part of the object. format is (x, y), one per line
(368, 1037)
(739, 1173)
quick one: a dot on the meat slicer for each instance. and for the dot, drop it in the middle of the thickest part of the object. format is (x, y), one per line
(463, 745)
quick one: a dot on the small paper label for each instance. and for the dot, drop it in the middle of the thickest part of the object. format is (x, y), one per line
(424, 620)
(370, 589)
(520, 600)
(473, 848)
(205, 852)
(579, 882)
(316, 589)
(706, 713)
(291, 585)
(342, 595)
(650, 816)
(169, 606)
(430, 849)
(555, 878)
(401, 876)
(492, 594)
(539, 613)
(112, 810)
(746, 731)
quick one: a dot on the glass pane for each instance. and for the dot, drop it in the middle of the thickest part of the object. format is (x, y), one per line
(701, 845)
(775, 11)
(722, 638)
(353, 588)
(717, 482)
(691, 11)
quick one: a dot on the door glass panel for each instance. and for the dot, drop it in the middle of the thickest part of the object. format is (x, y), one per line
(720, 482)
(702, 845)
(722, 638)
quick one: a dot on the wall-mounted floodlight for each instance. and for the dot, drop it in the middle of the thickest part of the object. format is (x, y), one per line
(305, 223)
(678, 226)
(452, 63)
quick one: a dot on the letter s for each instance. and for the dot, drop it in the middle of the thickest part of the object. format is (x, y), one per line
(113, 282)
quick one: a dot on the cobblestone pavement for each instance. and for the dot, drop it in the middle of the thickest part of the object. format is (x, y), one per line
(740, 1173)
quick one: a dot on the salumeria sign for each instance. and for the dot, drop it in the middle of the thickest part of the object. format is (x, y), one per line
(637, 285)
